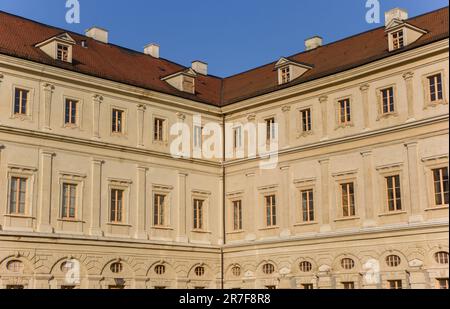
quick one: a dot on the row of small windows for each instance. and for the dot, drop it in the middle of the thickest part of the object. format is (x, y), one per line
(347, 190)
(19, 190)
(344, 110)
(346, 264)
(18, 198)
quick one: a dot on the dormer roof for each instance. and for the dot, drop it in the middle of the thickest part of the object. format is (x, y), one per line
(63, 38)
(285, 61)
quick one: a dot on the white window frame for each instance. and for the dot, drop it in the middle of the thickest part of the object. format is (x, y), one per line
(304, 185)
(165, 128)
(345, 178)
(390, 170)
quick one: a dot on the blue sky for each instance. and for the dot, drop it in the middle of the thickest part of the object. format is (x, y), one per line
(231, 35)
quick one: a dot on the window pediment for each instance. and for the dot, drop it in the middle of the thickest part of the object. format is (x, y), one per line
(289, 70)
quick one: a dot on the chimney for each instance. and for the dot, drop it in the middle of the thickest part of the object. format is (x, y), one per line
(396, 13)
(152, 50)
(200, 67)
(313, 43)
(98, 34)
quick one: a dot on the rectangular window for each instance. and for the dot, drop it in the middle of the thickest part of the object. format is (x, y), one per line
(117, 121)
(306, 120)
(285, 75)
(270, 129)
(442, 283)
(237, 137)
(348, 285)
(18, 195)
(198, 214)
(394, 197)
(188, 84)
(435, 83)
(271, 210)
(158, 209)
(348, 199)
(395, 284)
(344, 112)
(398, 40)
(440, 177)
(159, 130)
(117, 205)
(237, 215)
(71, 112)
(62, 52)
(69, 200)
(387, 96)
(308, 205)
(198, 135)
(21, 101)
(308, 286)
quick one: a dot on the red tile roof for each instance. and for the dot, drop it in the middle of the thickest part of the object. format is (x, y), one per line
(18, 37)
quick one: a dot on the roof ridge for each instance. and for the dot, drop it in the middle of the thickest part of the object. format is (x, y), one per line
(335, 42)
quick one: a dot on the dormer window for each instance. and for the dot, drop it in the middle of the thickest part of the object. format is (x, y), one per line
(289, 70)
(399, 32)
(188, 84)
(58, 47)
(62, 52)
(398, 40)
(285, 75)
(183, 81)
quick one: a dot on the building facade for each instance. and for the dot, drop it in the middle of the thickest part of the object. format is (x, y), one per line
(92, 195)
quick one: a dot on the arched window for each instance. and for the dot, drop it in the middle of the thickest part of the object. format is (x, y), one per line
(393, 260)
(305, 267)
(347, 263)
(116, 268)
(268, 269)
(236, 271)
(199, 271)
(160, 269)
(441, 257)
(15, 266)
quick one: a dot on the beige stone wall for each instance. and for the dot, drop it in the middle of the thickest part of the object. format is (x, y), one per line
(410, 143)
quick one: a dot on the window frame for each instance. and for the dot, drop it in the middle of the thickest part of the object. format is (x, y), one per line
(124, 122)
(22, 172)
(79, 106)
(431, 163)
(29, 104)
(380, 100)
(166, 191)
(285, 74)
(270, 130)
(401, 40)
(68, 50)
(164, 137)
(124, 186)
(237, 226)
(426, 89)
(309, 125)
(201, 196)
(305, 185)
(347, 123)
(270, 212)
